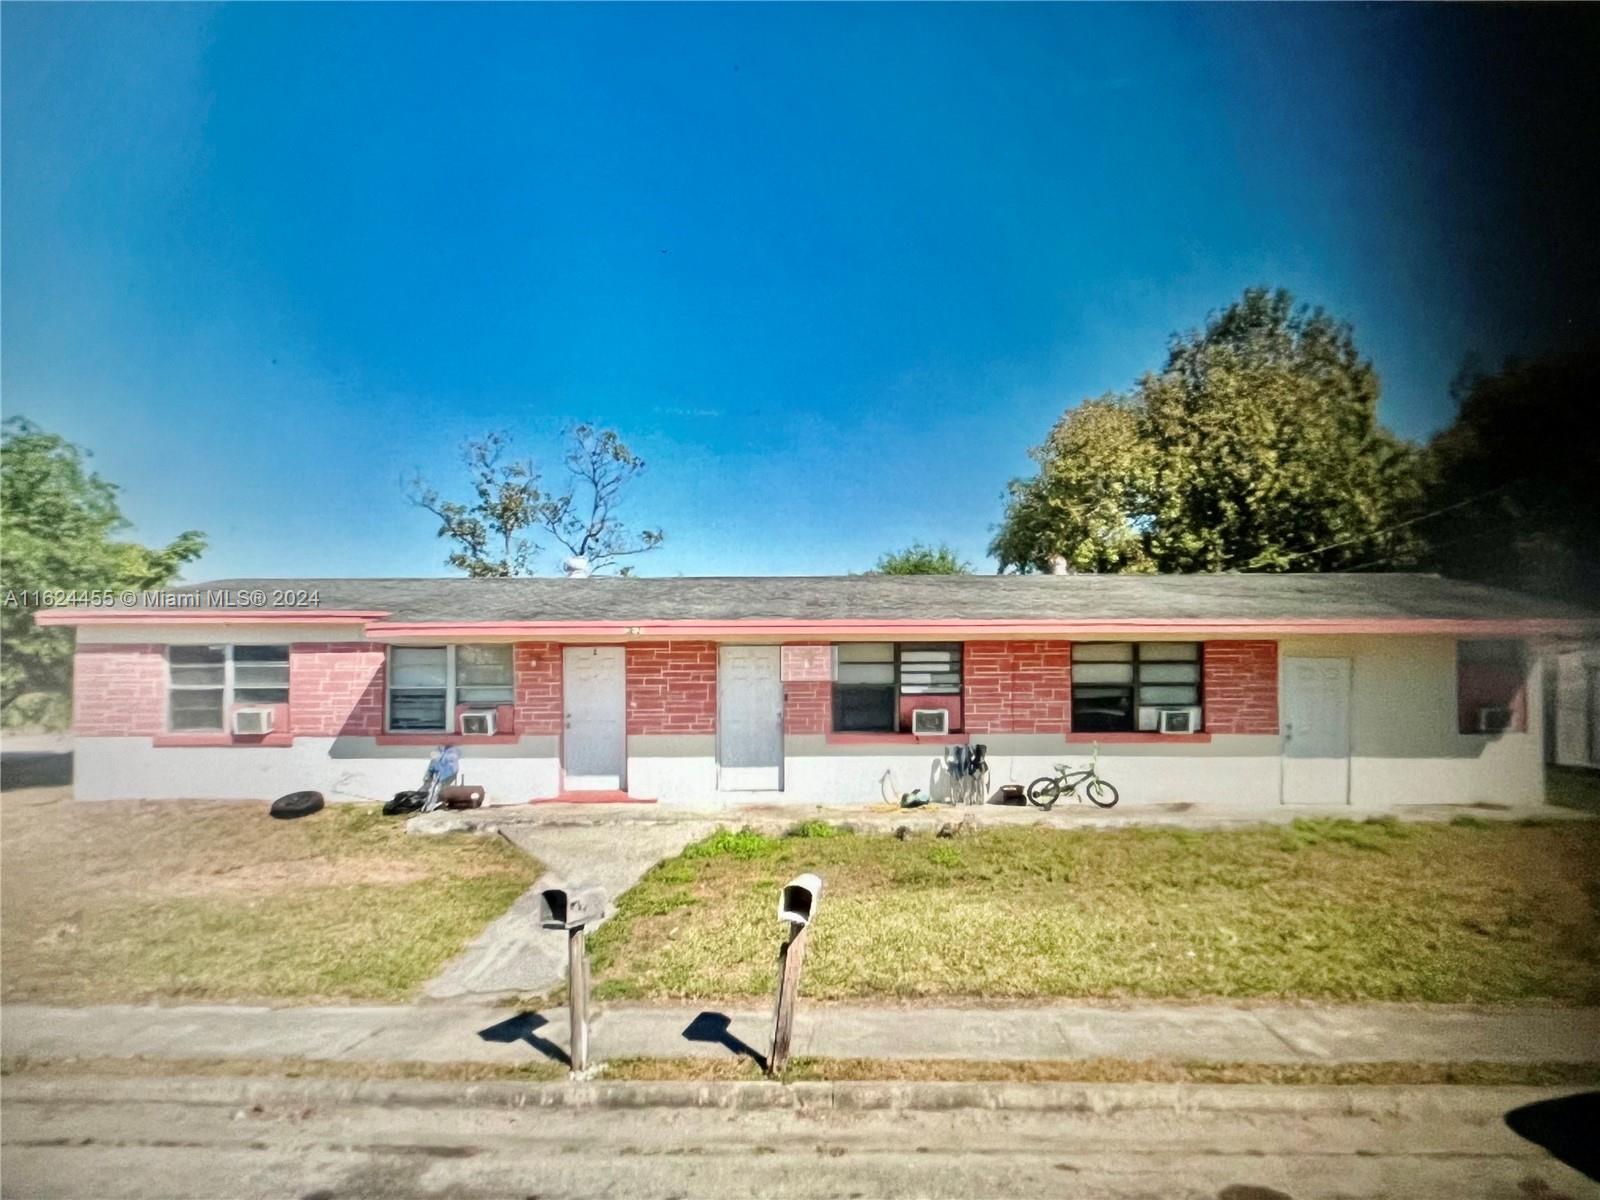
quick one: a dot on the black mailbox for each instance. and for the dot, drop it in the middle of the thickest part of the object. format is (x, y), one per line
(571, 907)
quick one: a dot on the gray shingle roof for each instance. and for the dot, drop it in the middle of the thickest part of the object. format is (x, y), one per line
(931, 597)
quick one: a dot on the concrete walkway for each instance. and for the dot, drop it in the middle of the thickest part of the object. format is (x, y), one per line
(471, 1033)
(513, 956)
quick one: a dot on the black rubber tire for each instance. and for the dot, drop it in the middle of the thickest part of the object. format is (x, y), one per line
(1044, 792)
(1098, 790)
(296, 804)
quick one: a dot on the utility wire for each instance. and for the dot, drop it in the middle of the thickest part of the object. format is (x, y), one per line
(1438, 512)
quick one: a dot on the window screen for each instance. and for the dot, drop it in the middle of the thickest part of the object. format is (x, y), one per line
(204, 682)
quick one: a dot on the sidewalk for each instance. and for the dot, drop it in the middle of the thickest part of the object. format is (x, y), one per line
(482, 1034)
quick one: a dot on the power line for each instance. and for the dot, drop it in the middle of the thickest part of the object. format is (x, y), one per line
(1438, 512)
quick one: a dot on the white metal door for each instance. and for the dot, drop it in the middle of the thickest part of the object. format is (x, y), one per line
(594, 746)
(749, 719)
(1315, 703)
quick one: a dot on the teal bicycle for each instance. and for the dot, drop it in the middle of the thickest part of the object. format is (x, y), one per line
(1068, 783)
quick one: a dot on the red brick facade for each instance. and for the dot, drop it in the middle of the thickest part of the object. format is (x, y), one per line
(807, 706)
(1241, 687)
(119, 691)
(1017, 687)
(336, 689)
(538, 681)
(672, 688)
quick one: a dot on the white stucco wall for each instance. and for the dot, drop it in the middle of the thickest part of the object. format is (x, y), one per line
(341, 768)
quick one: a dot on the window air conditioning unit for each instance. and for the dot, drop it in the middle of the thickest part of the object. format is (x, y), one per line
(252, 720)
(479, 722)
(1179, 720)
(1494, 718)
(930, 721)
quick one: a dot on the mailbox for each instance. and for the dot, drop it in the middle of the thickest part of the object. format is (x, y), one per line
(571, 907)
(798, 903)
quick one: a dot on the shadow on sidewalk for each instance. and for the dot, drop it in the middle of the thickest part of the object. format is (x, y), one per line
(1567, 1127)
(713, 1027)
(524, 1027)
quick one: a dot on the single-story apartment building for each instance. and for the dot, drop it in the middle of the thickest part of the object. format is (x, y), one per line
(1350, 689)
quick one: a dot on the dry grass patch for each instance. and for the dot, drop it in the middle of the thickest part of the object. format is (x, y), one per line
(848, 1070)
(1320, 909)
(215, 901)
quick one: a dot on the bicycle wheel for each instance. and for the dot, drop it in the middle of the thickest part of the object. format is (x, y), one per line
(1100, 793)
(1044, 792)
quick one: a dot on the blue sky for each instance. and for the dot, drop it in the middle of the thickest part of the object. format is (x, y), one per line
(831, 270)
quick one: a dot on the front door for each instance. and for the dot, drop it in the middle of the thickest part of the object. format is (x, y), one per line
(1316, 730)
(594, 745)
(749, 719)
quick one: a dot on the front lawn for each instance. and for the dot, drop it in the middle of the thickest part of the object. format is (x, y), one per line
(1321, 909)
(1573, 787)
(214, 901)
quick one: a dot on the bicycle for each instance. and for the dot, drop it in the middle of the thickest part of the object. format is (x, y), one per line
(1047, 789)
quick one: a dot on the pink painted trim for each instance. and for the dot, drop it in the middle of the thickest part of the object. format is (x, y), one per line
(203, 616)
(786, 627)
(1138, 739)
(222, 739)
(898, 739)
(445, 737)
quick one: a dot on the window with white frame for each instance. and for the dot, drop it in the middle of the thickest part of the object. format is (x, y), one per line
(205, 682)
(1124, 686)
(427, 683)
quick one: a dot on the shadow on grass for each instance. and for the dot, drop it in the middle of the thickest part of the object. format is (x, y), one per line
(1566, 1126)
(524, 1027)
(713, 1027)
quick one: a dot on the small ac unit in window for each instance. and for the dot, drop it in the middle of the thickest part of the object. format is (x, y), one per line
(1494, 718)
(1179, 720)
(479, 721)
(252, 720)
(930, 720)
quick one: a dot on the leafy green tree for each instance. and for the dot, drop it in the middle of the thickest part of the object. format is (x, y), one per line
(58, 527)
(1256, 447)
(919, 559)
(1512, 496)
(491, 530)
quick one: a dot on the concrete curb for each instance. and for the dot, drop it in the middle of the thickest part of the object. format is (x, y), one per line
(1377, 1102)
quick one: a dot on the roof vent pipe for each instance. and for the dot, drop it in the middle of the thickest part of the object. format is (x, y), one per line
(576, 567)
(1058, 565)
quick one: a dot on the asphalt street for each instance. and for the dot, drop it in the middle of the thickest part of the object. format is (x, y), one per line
(144, 1139)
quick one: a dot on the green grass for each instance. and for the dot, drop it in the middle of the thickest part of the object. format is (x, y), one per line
(1573, 787)
(190, 901)
(1320, 909)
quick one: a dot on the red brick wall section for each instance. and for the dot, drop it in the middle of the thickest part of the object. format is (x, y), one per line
(119, 691)
(1017, 687)
(538, 675)
(672, 688)
(336, 689)
(1241, 687)
(807, 706)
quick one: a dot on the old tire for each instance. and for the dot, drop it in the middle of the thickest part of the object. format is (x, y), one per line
(296, 804)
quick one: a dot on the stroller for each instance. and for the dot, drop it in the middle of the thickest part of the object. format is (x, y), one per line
(968, 768)
(444, 764)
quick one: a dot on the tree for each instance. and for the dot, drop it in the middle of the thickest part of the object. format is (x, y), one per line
(509, 501)
(58, 527)
(918, 559)
(1512, 496)
(1256, 447)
